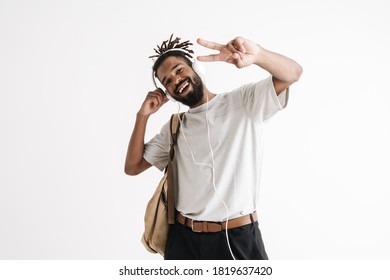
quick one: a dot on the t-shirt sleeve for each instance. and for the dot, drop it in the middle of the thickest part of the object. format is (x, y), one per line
(156, 151)
(261, 100)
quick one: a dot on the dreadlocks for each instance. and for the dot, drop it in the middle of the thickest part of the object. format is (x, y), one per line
(172, 48)
(172, 44)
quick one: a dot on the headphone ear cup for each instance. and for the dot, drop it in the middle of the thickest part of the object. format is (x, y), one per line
(155, 81)
(169, 96)
(199, 69)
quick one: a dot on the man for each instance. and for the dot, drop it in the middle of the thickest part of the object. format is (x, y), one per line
(218, 152)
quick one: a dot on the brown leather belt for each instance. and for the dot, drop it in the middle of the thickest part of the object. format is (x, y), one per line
(204, 226)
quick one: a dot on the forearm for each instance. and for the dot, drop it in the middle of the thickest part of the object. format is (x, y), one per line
(280, 67)
(134, 159)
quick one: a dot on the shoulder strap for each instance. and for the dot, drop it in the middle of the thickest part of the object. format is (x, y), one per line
(175, 124)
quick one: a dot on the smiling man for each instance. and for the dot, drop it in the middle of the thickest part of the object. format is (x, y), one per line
(219, 147)
(174, 70)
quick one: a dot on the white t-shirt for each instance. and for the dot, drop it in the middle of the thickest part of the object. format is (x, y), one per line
(235, 122)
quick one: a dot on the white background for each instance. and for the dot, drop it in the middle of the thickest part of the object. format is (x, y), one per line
(73, 74)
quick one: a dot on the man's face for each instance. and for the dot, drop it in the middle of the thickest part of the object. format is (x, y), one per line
(180, 80)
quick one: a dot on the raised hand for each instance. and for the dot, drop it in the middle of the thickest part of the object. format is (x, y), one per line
(153, 102)
(240, 52)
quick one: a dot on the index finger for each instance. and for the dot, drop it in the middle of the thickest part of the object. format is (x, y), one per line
(209, 58)
(160, 91)
(209, 45)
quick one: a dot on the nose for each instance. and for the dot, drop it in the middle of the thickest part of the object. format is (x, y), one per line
(178, 80)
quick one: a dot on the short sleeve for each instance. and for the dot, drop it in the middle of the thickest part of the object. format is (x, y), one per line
(156, 151)
(260, 99)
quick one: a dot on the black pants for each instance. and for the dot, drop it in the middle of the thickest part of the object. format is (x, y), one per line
(245, 241)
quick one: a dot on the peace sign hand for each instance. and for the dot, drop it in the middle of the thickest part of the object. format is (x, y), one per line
(240, 52)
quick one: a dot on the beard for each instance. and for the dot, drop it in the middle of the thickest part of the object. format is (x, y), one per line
(194, 96)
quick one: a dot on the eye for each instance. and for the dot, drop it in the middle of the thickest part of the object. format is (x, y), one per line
(168, 82)
(179, 70)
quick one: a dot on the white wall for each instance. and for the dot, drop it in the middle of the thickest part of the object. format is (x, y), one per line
(74, 73)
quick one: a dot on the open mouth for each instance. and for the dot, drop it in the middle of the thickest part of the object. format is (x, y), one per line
(182, 86)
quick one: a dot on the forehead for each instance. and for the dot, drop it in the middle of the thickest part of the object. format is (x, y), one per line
(167, 65)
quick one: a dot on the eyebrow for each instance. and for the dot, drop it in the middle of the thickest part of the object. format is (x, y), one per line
(173, 68)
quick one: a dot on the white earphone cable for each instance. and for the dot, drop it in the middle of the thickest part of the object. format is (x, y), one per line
(212, 169)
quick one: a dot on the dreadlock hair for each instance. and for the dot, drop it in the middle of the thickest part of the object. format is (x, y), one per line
(171, 48)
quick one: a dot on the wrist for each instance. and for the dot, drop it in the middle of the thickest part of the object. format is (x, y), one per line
(142, 116)
(260, 56)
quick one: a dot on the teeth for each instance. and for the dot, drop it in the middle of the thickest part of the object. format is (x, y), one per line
(183, 87)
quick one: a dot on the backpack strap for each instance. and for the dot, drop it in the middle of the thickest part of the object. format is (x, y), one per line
(175, 124)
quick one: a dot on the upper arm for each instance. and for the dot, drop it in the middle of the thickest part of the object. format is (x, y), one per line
(137, 169)
(144, 165)
(280, 85)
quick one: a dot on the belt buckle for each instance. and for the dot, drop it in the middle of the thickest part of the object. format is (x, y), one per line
(192, 227)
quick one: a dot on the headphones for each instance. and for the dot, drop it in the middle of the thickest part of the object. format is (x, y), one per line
(196, 66)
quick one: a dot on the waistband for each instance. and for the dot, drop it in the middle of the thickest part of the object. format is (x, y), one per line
(205, 226)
